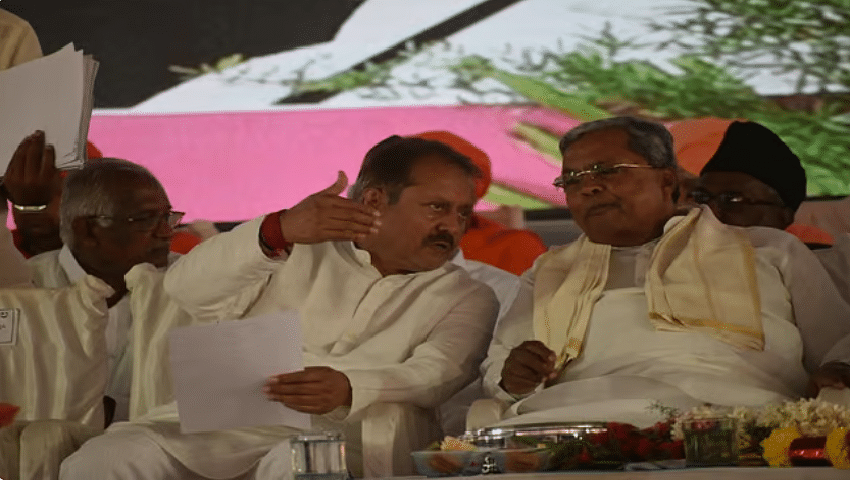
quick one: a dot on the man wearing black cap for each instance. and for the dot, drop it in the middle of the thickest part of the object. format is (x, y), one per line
(753, 179)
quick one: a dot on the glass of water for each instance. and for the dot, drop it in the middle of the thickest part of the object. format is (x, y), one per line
(711, 442)
(319, 456)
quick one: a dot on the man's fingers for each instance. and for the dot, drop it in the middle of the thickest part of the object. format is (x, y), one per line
(341, 204)
(308, 375)
(352, 211)
(338, 186)
(310, 389)
(541, 351)
(530, 373)
(35, 149)
(48, 162)
(532, 361)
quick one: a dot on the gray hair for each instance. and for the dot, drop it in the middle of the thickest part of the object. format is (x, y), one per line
(90, 191)
(648, 139)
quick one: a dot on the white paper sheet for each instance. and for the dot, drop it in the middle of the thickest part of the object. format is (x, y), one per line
(219, 371)
(53, 94)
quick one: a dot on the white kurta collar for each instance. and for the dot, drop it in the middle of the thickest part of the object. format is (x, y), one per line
(72, 268)
(460, 260)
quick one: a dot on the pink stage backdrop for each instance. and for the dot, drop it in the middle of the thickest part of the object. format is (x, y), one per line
(235, 166)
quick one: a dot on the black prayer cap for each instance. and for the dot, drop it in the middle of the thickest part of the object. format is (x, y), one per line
(751, 148)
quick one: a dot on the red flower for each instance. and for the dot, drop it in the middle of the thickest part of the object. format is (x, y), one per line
(600, 439)
(644, 448)
(621, 431)
(584, 458)
(673, 449)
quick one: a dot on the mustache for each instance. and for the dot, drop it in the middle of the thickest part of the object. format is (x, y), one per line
(441, 237)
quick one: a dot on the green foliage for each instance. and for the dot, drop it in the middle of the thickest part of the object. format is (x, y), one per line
(808, 38)
(500, 194)
(188, 73)
(693, 88)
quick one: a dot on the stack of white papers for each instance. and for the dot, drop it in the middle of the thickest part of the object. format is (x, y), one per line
(219, 371)
(53, 94)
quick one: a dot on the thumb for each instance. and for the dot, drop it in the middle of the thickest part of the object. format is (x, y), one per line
(338, 186)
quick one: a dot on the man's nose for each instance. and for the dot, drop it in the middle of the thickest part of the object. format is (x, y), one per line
(590, 184)
(163, 228)
(455, 224)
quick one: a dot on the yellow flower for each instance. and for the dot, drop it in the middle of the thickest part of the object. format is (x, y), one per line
(777, 444)
(836, 448)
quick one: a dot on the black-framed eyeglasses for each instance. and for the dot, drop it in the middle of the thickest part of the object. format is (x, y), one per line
(729, 200)
(146, 221)
(599, 170)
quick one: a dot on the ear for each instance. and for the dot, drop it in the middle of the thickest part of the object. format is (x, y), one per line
(376, 198)
(670, 183)
(86, 232)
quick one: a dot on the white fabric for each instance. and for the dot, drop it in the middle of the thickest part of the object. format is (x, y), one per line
(56, 369)
(33, 450)
(836, 260)
(18, 42)
(118, 363)
(143, 380)
(506, 286)
(59, 268)
(627, 364)
(402, 339)
(14, 270)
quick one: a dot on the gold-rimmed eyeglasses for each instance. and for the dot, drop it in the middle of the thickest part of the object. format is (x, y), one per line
(146, 221)
(599, 170)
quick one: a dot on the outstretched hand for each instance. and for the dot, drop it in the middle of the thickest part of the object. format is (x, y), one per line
(31, 177)
(527, 366)
(326, 215)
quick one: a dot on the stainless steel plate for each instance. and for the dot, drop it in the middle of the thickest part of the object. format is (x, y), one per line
(500, 437)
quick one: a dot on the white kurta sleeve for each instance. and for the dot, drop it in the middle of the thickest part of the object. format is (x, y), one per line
(513, 329)
(222, 277)
(820, 312)
(438, 367)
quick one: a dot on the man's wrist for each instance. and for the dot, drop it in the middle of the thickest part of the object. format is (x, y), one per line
(271, 235)
(29, 208)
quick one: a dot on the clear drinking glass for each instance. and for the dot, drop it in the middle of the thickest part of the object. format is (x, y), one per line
(319, 456)
(711, 442)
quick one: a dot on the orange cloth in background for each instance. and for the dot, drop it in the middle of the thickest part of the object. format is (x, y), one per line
(495, 244)
(183, 242)
(810, 235)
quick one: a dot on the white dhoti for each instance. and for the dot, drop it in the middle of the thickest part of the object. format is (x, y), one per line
(627, 366)
(34, 450)
(156, 450)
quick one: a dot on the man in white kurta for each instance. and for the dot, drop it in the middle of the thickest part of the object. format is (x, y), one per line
(386, 320)
(132, 227)
(630, 355)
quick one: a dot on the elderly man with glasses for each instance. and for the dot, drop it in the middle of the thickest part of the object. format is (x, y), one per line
(754, 179)
(654, 303)
(114, 216)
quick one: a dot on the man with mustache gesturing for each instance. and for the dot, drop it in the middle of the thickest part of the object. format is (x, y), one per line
(391, 328)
